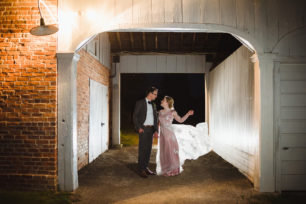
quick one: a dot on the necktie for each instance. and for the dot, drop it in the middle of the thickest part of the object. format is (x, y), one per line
(149, 102)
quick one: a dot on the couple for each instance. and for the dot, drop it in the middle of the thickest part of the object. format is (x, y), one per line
(146, 122)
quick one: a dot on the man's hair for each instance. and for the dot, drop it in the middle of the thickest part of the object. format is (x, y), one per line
(151, 90)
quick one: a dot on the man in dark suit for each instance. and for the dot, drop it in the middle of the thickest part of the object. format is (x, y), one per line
(145, 122)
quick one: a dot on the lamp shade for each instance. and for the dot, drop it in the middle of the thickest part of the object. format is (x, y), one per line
(43, 29)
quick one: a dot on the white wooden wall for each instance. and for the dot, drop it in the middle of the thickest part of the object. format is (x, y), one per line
(162, 64)
(233, 91)
(99, 47)
(290, 129)
(267, 21)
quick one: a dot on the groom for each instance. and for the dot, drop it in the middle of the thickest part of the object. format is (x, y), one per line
(145, 122)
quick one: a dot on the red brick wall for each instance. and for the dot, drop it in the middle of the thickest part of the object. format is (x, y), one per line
(88, 68)
(28, 98)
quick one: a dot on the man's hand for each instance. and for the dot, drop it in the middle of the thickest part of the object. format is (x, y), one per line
(140, 130)
(155, 135)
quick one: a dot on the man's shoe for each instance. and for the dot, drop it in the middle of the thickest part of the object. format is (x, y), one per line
(149, 172)
(143, 174)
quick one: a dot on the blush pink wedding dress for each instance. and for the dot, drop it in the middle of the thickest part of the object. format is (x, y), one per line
(179, 142)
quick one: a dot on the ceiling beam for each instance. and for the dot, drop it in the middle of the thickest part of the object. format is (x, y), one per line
(205, 44)
(182, 39)
(118, 52)
(193, 40)
(168, 41)
(119, 40)
(216, 58)
(218, 42)
(144, 41)
(156, 42)
(132, 40)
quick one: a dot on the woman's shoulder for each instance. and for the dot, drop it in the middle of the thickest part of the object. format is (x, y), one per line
(173, 112)
(166, 111)
(161, 111)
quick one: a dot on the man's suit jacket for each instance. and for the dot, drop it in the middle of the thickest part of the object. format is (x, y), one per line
(140, 114)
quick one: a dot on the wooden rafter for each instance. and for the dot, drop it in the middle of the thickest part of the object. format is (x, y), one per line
(132, 40)
(205, 43)
(217, 46)
(156, 42)
(119, 40)
(182, 41)
(193, 40)
(144, 41)
(218, 41)
(168, 41)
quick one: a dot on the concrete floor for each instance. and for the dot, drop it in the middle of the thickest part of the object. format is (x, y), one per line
(112, 178)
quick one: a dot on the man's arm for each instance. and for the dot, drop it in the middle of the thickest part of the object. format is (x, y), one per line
(155, 119)
(136, 115)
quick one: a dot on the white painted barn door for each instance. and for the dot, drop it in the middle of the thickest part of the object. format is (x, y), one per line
(98, 120)
(290, 100)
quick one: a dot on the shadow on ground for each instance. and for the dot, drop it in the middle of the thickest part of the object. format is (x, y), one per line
(30, 197)
(112, 178)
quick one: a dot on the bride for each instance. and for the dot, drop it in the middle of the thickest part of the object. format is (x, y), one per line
(178, 142)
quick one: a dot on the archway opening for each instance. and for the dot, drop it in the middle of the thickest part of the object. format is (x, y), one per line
(207, 92)
(137, 49)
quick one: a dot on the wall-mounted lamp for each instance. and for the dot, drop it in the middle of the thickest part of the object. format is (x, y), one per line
(43, 29)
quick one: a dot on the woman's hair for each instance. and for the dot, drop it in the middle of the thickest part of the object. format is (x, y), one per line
(170, 101)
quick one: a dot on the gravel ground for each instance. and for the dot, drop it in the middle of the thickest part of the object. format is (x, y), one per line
(112, 178)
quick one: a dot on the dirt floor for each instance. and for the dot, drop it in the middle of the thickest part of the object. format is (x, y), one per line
(112, 178)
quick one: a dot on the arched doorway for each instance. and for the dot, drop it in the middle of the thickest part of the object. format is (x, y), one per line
(265, 167)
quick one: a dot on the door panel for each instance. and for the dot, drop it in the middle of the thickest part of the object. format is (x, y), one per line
(105, 114)
(291, 126)
(97, 120)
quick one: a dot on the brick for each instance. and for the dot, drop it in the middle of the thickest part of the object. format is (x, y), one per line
(83, 76)
(20, 74)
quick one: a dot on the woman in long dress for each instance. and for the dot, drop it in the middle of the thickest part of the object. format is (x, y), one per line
(169, 161)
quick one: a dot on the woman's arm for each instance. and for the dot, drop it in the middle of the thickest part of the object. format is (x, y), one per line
(182, 119)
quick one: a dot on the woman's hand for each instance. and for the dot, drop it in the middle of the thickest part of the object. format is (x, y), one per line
(191, 112)
(155, 135)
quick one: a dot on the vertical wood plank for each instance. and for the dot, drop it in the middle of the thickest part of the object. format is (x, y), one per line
(171, 64)
(128, 64)
(211, 13)
(232, 120)
(291, 16)
(124, 11)
(199, 67)
(158, 11)
(181, 63)
(272, 24)
(190, 63)
(260, 20)
(192, 11)
(142, 11)
(108, 56)
(101, 48)
(173, 11)
(161, 63)
(245, 15)
(228, 12)
(146, 64)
